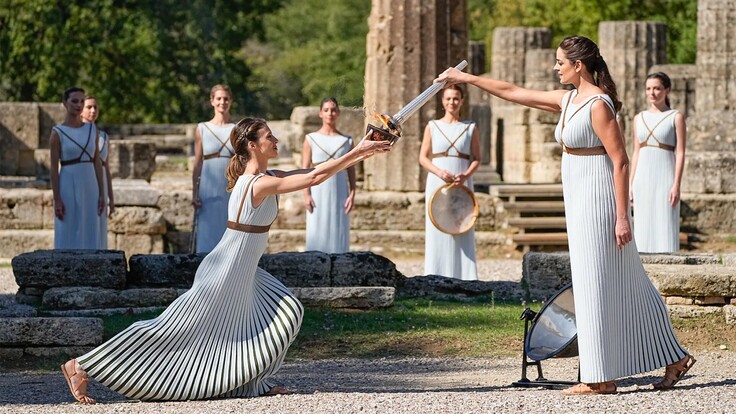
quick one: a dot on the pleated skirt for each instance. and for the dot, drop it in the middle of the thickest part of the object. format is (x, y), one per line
(212, 216)
(80, 227)
(623, 324)
(328, 227)
(225, 337)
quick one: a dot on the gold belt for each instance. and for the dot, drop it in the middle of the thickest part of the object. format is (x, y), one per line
(585, 151)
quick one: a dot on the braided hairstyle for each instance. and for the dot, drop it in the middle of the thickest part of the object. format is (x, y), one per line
(666, 83)
(585, 50)
(247, 129)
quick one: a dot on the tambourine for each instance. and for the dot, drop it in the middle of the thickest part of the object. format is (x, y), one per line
(453, 208)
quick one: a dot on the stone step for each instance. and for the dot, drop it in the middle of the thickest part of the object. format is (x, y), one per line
(84, 297)
(510, 191)
(693, 281)
(24, 332)
(522, 207)
(538, 222)
(54, 268)
(358, 297)
(540, 239)
(15, 242)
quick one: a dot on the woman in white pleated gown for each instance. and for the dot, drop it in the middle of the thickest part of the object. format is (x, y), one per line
(622, 321)
(228, 335)
(328, 204)
(212, 152)
(450, 153)
(90, 113)
(76, 177)
(656, 170)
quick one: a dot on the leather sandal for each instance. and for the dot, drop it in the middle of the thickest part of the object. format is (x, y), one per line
(80, 391)
(673, 373)
(591, 389)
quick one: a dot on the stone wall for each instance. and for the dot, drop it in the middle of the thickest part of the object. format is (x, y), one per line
(24, 136)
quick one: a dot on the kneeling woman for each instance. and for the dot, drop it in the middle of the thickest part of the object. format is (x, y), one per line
(229, 333)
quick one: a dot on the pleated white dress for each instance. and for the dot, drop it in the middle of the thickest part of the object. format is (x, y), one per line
(78, 189)
(225, 337)
(103, 145)
(328, 227)
(212, 216)
(622, 322)
(656, 222)
(447, 254)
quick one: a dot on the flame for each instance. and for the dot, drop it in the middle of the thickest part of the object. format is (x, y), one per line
(383, 118)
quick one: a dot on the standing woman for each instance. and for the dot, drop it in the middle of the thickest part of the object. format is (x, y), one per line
(328, 204)
(450, 153)
(623, 325)
(228, 334)
(76, 177)
(656, 170)
(212, 151)
(90, 112)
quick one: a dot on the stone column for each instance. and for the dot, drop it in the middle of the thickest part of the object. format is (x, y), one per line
(510, 122)
(409, 43)
(630, 49)
(716, 55)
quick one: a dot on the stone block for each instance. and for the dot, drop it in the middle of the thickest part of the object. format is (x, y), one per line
(54, 268)
(17, 310)
(50, 114)
(132, 159)
(21, 208)
(20, 123)
(346, 297)
(137, 220)
(137, 193)
(177, 210)
(10, 355)
(544, 273)
(15, 242)
(679, 300)
(57, 351)
(139, 243)
(680, 258)
(692, 311)
(24, 332)
(64, 298)
(708, 213)
(308, 269)
(158, 270)
(694, 281)
(42, 161)
(292, 213)
(29, 300)
(709, 300)
(710, 172)
(96, 313)
(730, 312)
(440, 287)
(363, 269)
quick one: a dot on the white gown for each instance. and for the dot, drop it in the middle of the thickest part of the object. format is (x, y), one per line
(622, 322)
(104, 148)
(328, 227)
(446, 254)
(656, 222)
(78, 189)
(225, 337)
(212, 216)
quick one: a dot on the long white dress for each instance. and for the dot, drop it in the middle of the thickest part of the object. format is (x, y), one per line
(447, 254)
(225, 337)
(78, 189)
(656, 222)
(328, 227)
(622, 322)
(212, 215)
(104, 148)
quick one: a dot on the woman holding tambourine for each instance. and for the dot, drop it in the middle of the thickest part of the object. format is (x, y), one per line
(450, 153)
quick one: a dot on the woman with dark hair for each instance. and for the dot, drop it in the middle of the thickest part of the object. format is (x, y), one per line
(622, 321)
(90, 113)
(656, 169)
(212, 151)
(328, 204)
(76, 177)
(228, 334)
(450, 153)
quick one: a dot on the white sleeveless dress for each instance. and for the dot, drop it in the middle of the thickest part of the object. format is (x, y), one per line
(622, 322)
(212, 216)
(446, 254)
(328, 227)
(656, 222)
(78, 189)
(104, 148)
(225, 337)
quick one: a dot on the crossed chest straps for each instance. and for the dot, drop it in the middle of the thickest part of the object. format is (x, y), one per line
(249, 228)
(446, 153)
(330, 155)
(600, 150)
(83, 148)
(223, 145)
(657, 144)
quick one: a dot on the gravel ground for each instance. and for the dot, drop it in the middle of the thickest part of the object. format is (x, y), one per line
(403, 385)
